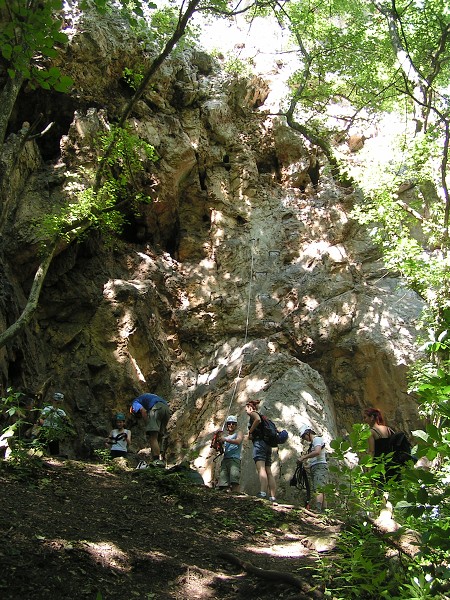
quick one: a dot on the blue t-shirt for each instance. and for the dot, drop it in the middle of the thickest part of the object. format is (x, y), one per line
(146, 401)
(232, 450)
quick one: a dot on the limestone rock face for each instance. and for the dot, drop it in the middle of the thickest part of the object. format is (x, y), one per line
(244, 278)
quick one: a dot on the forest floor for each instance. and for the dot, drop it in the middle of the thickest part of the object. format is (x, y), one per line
(80, 530)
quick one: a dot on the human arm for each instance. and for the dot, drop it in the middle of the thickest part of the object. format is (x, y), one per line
(314, 452)
(144, 414)
(255, 421)
(237, 440)
(371, 445)
(44, 414)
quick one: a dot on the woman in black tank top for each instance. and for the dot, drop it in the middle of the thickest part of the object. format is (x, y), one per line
(378, 431)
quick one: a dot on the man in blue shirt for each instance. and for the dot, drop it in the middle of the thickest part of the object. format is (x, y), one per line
(156, 413)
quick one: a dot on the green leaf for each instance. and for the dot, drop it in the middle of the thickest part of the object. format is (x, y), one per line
(64, 84)
(7, 51)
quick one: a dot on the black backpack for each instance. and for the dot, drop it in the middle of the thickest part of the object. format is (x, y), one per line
(397, 444)
(270, 433)
(401, 448)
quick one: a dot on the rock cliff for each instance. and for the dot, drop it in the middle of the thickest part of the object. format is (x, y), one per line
(245, 277)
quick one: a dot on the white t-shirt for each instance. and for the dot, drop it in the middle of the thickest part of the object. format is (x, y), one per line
(122, 443)
(320, 458)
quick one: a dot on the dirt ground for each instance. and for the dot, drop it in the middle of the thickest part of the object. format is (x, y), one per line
(77, 530)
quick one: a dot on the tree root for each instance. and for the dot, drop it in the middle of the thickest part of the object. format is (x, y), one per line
(307, 592)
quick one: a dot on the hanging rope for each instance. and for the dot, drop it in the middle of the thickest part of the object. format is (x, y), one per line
(247, 321)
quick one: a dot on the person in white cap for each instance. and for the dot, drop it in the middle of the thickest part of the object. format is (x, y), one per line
(230, 468)
(317, 460)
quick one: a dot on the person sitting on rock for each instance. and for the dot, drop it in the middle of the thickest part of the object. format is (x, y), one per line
(119, 438)
(155, 412)
(230, 468)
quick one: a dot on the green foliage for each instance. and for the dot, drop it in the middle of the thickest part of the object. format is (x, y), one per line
(21, 450)
(357, 476)
(30, 34)
(364, 569)
(261, 516)
(129, 151)
(234, 65)
(421, 500)
(100, 209)
(156, 28)
(133, 77)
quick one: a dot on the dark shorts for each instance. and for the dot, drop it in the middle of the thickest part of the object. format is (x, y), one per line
(158, 417)
(117, 453)
(262, 451)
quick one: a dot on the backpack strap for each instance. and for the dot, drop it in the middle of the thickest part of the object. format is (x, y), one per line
(378, 434)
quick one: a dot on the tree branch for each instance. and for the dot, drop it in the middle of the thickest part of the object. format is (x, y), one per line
(32, 301)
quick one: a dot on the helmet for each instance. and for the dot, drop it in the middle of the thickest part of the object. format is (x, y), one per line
(231, 419)
(58, 396)
(120, 417)
(303, 429)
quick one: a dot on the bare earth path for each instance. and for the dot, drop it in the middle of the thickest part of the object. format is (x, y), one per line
(73, 530)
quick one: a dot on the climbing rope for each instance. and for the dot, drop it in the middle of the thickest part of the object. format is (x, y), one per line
(247, 321)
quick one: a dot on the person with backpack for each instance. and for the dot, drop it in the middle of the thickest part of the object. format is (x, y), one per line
(262, 452)
(317, 461)
(119, 438)
(155, 412)
(378, 431)
(383, 440)
(230, 467)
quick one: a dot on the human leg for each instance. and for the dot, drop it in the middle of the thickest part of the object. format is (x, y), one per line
(235, 474)
(262, 474)
(154, 444)
(271, 482)
(158, 418)
(262, 455)
(319, 475)
(224, 474)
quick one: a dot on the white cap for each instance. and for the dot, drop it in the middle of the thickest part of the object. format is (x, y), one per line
(303, 429)
(231, 419)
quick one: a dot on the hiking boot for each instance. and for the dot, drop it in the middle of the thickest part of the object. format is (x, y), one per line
(272, 498)
(261, 495)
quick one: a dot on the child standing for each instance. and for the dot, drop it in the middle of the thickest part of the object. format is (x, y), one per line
(317, 460)
(119, 438)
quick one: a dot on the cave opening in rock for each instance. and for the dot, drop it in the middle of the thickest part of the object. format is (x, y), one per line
(47, 111)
